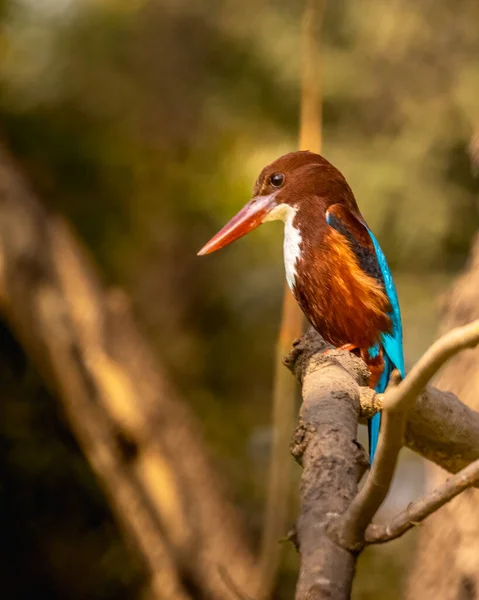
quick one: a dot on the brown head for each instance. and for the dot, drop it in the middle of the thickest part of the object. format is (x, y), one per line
(302, 183)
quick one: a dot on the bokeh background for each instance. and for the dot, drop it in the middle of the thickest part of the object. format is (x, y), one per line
(145, 123)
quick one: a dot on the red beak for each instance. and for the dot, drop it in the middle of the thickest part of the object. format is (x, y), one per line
(248, 218)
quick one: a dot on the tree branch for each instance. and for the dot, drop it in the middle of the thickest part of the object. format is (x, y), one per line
(398, 398)
(439, 426)
(333, 463)
(416, 512)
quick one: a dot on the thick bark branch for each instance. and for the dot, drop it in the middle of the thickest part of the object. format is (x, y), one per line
(332, 463)
(439, 427)
(416, 512)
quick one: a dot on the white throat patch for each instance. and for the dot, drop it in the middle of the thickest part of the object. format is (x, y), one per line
(292, 239)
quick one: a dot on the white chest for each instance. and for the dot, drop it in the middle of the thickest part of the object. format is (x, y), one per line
(292, 239)
(292, 250)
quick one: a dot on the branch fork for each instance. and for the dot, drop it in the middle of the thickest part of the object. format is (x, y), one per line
(338, 379)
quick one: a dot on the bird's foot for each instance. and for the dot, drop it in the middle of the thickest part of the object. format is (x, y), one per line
(348, 347)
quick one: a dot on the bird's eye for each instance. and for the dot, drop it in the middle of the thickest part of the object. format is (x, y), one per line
(277, 179)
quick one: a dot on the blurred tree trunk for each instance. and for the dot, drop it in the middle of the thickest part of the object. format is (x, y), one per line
(447, 561)
(141, 440)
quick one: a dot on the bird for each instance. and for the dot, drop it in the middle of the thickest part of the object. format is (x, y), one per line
(334, 265)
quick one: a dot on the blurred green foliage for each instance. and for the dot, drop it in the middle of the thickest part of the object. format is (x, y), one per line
(146, 122)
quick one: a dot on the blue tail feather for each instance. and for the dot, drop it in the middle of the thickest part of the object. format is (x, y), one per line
(373, 431)
(391, 343)
(375, 422)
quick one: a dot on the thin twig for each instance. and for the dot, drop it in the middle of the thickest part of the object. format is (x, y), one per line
(416, 512)
(310, 134)
(398, 398)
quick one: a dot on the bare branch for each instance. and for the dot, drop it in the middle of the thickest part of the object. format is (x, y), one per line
(429, 364)
(416, 512)
(439, 427)
(39, 312)
(399, 397)
(332, 463)
(310, 135)
(435, 418)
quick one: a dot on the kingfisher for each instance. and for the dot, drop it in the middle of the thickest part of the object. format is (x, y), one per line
(334, 265)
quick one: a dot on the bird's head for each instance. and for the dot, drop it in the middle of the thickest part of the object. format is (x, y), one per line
(300, 183)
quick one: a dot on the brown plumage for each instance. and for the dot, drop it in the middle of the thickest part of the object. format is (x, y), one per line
(344, 302)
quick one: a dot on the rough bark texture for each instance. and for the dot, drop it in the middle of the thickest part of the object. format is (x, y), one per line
(141, 441)
(333, 462)
(447, 562)
(443, 429)
(440, 427)
(334, 398)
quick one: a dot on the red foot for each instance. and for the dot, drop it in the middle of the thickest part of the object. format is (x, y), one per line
(375, 365)
(347, 347)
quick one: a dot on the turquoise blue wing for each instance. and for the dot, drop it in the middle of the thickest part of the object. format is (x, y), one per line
(391, 342)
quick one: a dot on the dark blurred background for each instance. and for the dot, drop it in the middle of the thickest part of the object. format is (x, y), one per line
(145, 123)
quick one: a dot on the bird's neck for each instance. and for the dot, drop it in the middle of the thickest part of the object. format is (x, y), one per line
(303, 231)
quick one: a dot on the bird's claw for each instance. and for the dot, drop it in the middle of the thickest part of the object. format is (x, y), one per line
(347, 347)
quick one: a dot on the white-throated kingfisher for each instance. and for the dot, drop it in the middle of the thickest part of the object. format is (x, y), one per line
(334, 265)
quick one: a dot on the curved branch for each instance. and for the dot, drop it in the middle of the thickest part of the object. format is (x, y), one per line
(416, 512)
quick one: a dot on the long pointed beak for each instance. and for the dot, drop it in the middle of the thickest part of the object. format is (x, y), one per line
(248, 218)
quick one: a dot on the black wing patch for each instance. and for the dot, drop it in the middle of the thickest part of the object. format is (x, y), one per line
(345, 223)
